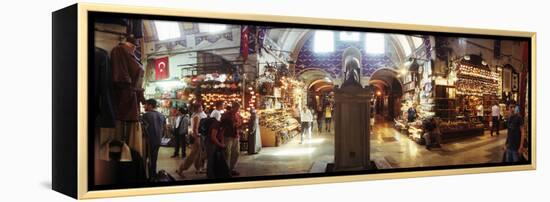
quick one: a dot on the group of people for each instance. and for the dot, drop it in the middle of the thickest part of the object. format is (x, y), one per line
(213, 140)
(306, 117)
(515, 131)
(514, 144)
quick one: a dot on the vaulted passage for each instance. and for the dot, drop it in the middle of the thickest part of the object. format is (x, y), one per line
(277, 94)
(387, 93)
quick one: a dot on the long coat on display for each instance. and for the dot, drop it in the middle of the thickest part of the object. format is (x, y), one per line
(128, 79)
(103, 89)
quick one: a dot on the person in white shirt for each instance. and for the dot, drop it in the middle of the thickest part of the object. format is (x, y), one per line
(306, 117)
(495, 113)
(218, 111)
(480, 112)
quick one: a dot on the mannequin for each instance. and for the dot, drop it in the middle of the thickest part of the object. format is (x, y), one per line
(127, 78)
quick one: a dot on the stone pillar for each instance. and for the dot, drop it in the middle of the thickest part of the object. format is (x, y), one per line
(352, 128)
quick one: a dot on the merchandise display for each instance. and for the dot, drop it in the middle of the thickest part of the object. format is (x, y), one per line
(476, 81)
(277, 127)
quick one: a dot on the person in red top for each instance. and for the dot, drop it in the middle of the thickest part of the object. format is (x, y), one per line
(231, 123)
(217, 166)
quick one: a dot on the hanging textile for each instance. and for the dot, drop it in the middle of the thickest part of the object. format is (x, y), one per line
(262, 31)
(428, 46)
(135, 28)
(252, 35)
(523, 79)
(244, 41)
(127, 75)
(129, 132)
(124, 167)
(103, 92)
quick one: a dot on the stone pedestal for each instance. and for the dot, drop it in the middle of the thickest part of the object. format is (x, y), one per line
(352, 128)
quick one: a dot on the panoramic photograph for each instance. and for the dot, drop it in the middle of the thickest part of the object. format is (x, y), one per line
(203, 102)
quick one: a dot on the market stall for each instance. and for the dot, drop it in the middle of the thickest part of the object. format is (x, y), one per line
(277, 126)
(461, 100)
(279, 95)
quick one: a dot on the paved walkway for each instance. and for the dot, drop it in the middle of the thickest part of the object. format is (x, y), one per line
(402, 152)
(387, 144)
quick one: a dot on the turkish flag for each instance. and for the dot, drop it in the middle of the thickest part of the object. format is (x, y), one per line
(161, 68)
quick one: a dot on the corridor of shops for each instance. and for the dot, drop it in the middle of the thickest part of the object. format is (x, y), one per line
(390, 148)
(294, 101)
(290, 158)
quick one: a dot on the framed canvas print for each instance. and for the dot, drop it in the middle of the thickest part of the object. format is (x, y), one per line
(156, 100)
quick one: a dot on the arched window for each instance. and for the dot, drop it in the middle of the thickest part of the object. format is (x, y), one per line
(211, 28)
(349, 36)
(324, 41)
(417, 41)
(405, 44)
(375, 43)
(167, 30)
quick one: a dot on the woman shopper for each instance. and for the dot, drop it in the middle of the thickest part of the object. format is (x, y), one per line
(217, 166)
(307, 118)
(328, 117)
(319, 121)
(196, 156)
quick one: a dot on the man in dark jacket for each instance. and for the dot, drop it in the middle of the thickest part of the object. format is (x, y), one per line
(516, 135)
(154, 126)
(181, 127)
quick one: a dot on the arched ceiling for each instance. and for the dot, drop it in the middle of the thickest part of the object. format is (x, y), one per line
(386, 77)
(312, 76)
(292, 40)
(322, 85)
(287, 38)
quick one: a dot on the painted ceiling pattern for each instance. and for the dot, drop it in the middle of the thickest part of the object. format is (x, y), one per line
(332, 62)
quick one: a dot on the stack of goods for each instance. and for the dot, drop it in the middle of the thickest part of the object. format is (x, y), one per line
(476, 81)
(453, 126)
(219, 87)
(277, 127)
(210, 99)
(415, 130)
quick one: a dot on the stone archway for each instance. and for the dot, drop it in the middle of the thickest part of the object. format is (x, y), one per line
(388, 91)
(319, 87)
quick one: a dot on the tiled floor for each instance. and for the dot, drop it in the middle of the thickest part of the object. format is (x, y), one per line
(386, 144)
(401, 152)
(289, 158)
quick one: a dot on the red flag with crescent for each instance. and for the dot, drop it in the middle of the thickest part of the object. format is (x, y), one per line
(161, 68)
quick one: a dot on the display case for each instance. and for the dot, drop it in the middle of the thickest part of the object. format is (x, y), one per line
(277, 127)
(445, 102)
(450, 130)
